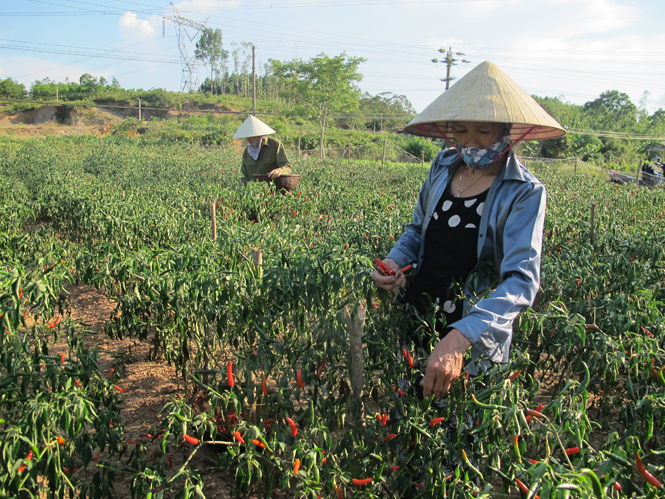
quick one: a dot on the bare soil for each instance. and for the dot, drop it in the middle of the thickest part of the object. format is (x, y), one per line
(148, 387)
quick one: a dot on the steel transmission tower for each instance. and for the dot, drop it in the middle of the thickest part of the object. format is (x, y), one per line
(449, 61)
(190, 65)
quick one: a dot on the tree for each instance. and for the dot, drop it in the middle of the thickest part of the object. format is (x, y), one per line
(11, 89)
(613, 110)
(321, 86)
(209, 49)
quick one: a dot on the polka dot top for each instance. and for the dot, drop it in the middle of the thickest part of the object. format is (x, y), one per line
(451, 243)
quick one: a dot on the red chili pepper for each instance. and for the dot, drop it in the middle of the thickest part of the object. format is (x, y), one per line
(320, 370)
(20, 293)
(534, 414)
(645, 474)
(383, 268)
(617, 486)
(419, 485)
(294, 428)
(21, 468)
(129, 442)
(78, 383)
(323, 461)
(339, 493)
(191, 440)
(532, 461)
(401, 392)
(572, 450)
(384, 420)
(170, 461)
(296, 466)
(513, 377)
(29, 456)
(118, 388)
(238, 437)
(393, 469)
(147, 435)
(436, 421)
(264, 387)
(51, 326)
(521, 486)
(404, 270)
(62, 358)
(389, 436)
(60, 440)
(410, 359)
(258, 443)
(299, 379)
(229, 373)
(360, 483)
(110, 372)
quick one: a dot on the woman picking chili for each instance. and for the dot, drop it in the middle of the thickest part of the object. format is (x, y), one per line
(476, 233)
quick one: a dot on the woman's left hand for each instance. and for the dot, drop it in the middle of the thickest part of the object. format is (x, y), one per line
(444, 365)
(273, 174)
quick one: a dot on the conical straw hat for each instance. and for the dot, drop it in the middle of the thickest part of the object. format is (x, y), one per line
(253, 127)
(486, 94)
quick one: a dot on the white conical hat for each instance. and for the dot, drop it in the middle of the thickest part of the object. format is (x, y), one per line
(253, 127)
(486, 94)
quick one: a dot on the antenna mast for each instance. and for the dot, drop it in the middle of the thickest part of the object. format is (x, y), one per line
(190, 70)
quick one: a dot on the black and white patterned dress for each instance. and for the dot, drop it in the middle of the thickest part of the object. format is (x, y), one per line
(451, 248)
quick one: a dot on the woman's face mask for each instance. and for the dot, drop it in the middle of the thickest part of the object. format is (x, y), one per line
(481, 144)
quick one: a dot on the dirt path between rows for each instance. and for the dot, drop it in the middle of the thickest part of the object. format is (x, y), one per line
(148, 387)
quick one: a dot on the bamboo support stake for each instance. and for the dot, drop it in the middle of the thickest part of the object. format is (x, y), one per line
(592, 234)
(355, 328)
(257, 260)
(213, 216)
(123, 194)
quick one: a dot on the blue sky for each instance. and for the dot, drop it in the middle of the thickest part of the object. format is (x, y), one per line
(574, 49)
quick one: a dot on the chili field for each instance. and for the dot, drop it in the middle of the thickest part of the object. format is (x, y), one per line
(577, 412)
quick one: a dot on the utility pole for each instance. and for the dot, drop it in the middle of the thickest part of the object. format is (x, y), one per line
(253, 80)
(449, 61)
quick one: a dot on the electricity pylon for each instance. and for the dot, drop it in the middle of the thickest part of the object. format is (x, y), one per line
(190, 65)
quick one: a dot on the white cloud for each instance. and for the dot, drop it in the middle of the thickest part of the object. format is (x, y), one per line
(132, 27)
(596, 16)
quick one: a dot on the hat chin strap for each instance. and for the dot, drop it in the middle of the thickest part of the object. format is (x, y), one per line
(505, 151)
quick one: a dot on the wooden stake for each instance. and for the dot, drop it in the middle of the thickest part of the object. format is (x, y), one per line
(214, 219)
(355, 328)
(257, 259)
(422, 157)
(592, 234)
(123, 194)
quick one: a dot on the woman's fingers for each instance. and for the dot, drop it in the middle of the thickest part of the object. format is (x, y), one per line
(444, 365)
(389, 283)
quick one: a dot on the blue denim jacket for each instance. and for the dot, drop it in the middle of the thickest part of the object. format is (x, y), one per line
(507, 276)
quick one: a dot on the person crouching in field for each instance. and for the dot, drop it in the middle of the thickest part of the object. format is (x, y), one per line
(264, 155)
(477, 229)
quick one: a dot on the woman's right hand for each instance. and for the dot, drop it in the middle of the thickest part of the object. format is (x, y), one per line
(391, 283)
